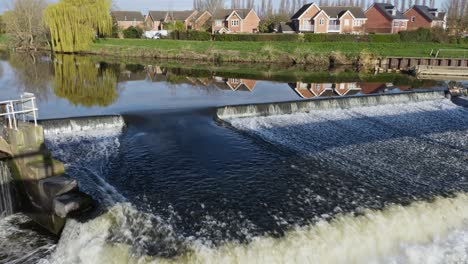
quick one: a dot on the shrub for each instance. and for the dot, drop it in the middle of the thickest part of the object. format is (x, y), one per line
(439, 35)
(257, 37)
(133, 32)
(380, 38)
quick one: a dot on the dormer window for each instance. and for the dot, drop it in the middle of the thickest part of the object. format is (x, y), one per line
(393, 12)
(125, 18)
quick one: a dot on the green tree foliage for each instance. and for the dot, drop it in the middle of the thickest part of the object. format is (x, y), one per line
(74, 24)
(268, 25)
(133, 32)
(82, 83)
(176, 25)
(2, 25)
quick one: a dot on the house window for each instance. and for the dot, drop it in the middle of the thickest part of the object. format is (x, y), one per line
(346, 22)
(322, 21)
(396, 24)
(235, 23)
(318, 87)
(219, 23)
(413, 18)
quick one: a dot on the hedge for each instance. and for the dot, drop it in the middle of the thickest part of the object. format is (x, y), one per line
(335, 38)
(381, 38)
(190, 35)
(257, 37)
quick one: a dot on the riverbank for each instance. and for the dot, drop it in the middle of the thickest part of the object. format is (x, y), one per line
(320, 53)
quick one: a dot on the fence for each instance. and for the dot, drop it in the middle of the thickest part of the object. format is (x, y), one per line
(23, 109)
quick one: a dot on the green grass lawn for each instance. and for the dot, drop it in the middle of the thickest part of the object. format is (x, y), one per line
(264, 51)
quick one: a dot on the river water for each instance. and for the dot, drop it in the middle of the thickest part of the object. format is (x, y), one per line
(378, 184)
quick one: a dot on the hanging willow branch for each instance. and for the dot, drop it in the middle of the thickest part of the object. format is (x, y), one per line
(73, 24)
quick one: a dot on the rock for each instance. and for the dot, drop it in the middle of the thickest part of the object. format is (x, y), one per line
(58, 185)
(71, 202)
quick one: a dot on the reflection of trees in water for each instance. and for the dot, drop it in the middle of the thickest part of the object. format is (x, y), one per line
(33, 74)
(84, 82)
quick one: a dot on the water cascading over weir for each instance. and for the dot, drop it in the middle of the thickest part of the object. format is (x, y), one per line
(32, 182)
(283, 108)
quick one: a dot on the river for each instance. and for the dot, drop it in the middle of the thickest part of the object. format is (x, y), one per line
(374, 184)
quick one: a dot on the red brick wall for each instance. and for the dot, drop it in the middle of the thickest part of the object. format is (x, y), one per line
(308, 15)
(251, 23)
(201, 21)
(419, 21)
(321, 28)
(127, 24)
(349, 27)
(234, 29)
(377, 22)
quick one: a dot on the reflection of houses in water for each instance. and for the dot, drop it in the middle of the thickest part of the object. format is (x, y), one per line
(159, 74)
(311, 90)
(379, 87)
(235, 84)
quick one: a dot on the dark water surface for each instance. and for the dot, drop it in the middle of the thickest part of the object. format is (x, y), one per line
(174, 185)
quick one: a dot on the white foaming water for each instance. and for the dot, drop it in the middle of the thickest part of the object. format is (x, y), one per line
(83, 126)
(20, 244)
(6, 198)
(396, 234)
(433, 231)
(86, 149)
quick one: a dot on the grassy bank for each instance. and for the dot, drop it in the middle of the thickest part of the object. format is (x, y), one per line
(4, 40)
(271, 52)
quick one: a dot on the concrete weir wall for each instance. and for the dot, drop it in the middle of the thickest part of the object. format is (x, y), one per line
(281, 108)
(45, 193)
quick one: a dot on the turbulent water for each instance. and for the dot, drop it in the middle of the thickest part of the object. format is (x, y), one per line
(6, 194)
(376, 184)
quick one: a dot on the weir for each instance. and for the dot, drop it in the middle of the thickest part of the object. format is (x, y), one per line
(44, 192)
(282, 108)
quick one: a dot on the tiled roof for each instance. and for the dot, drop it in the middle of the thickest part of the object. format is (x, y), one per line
(181, 15)
(387, 9)
(225, 13)
(426, 12)
(158, 15)
(338, 11)
(301, 11)
(127, 15)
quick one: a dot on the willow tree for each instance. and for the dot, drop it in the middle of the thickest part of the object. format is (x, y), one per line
(82, 82)
(74, 24)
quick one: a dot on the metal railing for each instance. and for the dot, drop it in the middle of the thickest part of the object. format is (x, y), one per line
(306, 28)
(458, 53)
(22, 109)
(334, 27)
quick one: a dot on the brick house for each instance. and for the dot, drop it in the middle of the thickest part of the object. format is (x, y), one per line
(201, 20)
(330, 19)
(126, 19)
(186, 17)
(235, 21)
(155, 20)
(420, 16)
(385, 18)
(302, 20)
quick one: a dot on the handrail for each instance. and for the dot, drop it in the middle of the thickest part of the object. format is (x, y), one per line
(20, 109)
